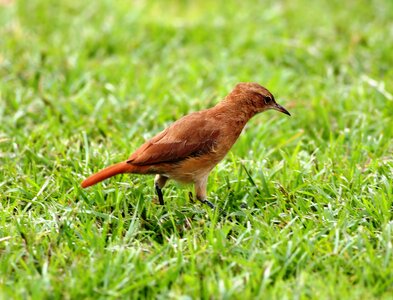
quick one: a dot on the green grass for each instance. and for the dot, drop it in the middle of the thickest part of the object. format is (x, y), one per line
(84, 84)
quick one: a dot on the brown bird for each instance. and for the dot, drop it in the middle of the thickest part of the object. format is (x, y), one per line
(190, 148)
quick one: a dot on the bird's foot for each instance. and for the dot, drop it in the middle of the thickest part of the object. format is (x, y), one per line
(208, 203)
(222, 213)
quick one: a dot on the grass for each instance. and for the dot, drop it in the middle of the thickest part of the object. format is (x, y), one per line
(84, 84)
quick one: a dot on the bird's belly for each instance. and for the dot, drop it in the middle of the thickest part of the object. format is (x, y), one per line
(190, 170)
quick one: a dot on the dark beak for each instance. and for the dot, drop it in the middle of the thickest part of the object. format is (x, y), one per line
(279, 108)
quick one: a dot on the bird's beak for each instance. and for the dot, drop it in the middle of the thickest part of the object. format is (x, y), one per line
(279, 108)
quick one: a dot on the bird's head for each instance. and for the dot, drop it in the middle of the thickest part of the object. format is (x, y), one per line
(256, 97)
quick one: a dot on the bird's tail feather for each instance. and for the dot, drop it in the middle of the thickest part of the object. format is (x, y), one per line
(120, 168)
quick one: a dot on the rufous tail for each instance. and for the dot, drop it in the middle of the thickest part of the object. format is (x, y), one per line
(110, 171)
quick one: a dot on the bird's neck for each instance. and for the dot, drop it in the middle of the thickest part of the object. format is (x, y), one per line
(232, 117)
(234, 112)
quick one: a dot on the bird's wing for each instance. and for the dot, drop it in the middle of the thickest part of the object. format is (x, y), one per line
(192, 135)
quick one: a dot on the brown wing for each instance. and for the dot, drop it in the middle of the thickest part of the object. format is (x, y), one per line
(191, 135)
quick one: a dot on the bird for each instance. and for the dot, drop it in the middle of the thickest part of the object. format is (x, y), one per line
(192, 146)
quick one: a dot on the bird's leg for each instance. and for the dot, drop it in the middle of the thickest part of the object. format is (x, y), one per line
(200, 190)
(160, 196)
(159, 183)
(191, 197)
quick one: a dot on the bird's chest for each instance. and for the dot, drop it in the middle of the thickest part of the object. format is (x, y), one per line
(229, 137)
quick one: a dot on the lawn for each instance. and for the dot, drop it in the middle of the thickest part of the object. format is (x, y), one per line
(308, 198)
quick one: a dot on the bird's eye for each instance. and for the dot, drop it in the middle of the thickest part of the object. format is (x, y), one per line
(268, 99)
